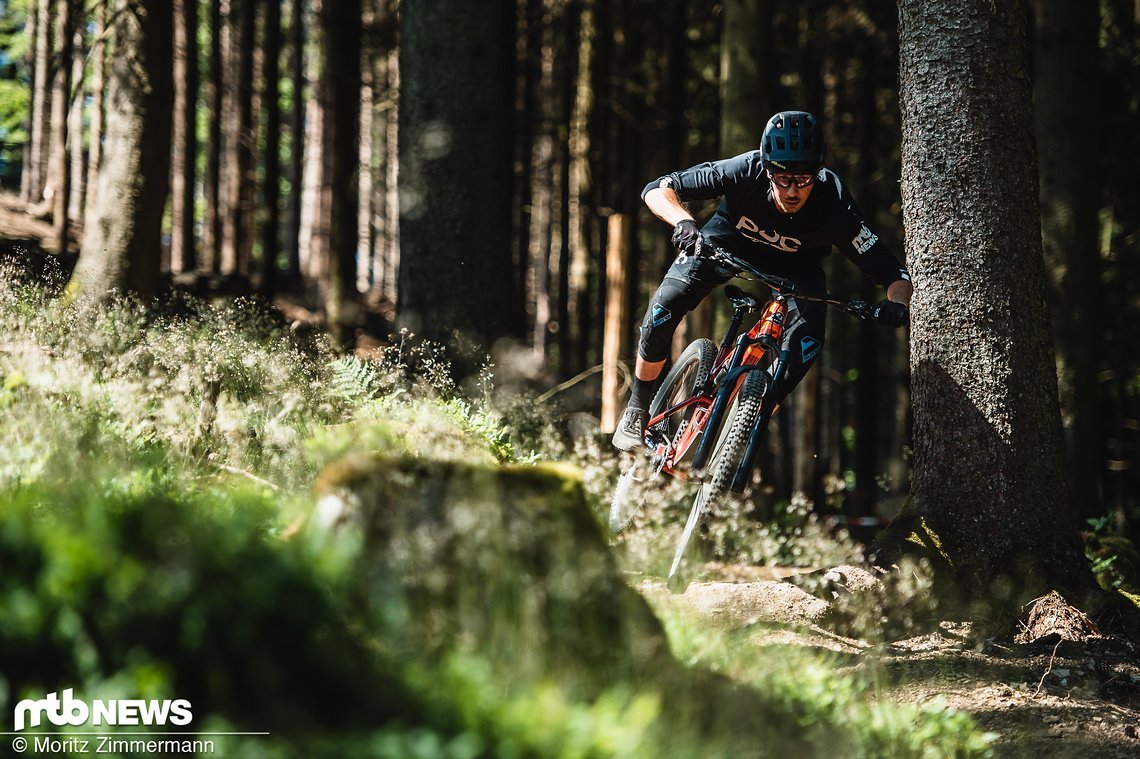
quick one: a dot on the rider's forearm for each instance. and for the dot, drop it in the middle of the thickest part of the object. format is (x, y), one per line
(665, 204)
(900, 291)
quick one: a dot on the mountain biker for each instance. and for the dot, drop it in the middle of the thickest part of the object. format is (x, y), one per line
(781, 211)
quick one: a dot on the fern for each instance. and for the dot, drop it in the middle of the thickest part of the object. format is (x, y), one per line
(485, 427)
(353, 379)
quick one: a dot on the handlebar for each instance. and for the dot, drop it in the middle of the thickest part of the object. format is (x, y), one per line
(856, 307)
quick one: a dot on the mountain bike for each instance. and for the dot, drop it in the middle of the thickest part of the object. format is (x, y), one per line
(709, 418)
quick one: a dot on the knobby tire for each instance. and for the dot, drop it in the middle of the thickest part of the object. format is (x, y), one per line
(726, 455)
(689, 372)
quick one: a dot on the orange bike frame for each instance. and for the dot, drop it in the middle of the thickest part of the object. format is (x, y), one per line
(770, 324)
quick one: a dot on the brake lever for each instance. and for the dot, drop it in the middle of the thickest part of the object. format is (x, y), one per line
(722, 261)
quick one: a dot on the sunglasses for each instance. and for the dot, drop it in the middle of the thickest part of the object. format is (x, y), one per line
(787, 180)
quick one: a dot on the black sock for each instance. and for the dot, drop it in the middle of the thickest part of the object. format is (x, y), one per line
(642, 393)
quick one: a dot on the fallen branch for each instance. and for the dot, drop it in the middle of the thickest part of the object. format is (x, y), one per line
(621, 367)
(250, 475)
(1048, 669)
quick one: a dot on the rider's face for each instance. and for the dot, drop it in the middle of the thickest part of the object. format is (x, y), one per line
(791, 199)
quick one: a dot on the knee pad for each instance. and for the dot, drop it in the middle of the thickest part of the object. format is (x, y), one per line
(657, 330)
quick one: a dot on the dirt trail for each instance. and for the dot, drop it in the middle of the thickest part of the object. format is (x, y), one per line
(1041, 700)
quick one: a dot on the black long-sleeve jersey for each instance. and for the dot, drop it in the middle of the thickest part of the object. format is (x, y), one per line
(749, 225)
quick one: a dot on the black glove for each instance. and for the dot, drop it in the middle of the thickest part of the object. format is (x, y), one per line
(890, 313)
(687, 237)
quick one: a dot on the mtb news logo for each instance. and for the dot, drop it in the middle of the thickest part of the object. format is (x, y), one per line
(73, 711)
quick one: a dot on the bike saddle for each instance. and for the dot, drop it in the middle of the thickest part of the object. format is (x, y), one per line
(741, 299)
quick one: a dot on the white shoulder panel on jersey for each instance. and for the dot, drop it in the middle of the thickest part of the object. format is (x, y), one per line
(825, 173)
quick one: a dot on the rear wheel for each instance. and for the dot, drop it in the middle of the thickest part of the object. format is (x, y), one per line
(726, 455)
(690, 372)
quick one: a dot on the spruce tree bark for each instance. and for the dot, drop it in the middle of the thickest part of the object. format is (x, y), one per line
(455, 173)
(1065, 63)
(988, 475)
(122, 246)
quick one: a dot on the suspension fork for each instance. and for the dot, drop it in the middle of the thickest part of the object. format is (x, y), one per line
(725, 392)
(760, 431)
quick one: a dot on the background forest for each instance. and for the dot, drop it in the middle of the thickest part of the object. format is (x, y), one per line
(273, 265)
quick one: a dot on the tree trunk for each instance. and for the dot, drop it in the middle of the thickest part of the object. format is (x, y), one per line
(75, 128)
(313, 234)
(271, 220)
(528, 76)
(392, 183)
(182, 252)
(543, 198)
(339, 91)
(122, 241)
(30, 29)
(98, 86)
(296, 137)
(378, 231)
(239, 181)
(988, 475)
(59, 167)
(215, 96)
(615, 336)
(1066, 61)
(36, 165)
(574, 345)
(366, 264)
(455, 258)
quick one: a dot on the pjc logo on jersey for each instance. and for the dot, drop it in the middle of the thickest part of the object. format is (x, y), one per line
(864, 240)
(752, 231)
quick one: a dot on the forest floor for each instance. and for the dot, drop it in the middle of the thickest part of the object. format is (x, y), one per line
(1037, 700)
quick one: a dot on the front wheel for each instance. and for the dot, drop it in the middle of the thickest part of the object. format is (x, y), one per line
(726, 455)
(630, 492)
